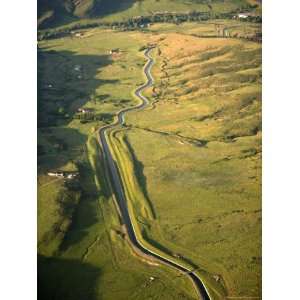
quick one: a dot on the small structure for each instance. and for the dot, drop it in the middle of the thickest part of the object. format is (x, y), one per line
(56, 174)
(84, 110)
(216, 277)
(144, 25)
(79, 34)
(58, 146)
(177, 255)
(77, 68)
(71, 175)
(243, 15)
(151, 278)
(66, 175)
(114, 51)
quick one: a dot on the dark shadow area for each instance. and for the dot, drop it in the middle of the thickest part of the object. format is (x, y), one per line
(139, 172)
(166, 250)
(67, 199)
(102, 97)
(85, 216)
(66, 279)
(53, 13)
(66, 82)
(57, 146)
(86, 213)
(107, 7)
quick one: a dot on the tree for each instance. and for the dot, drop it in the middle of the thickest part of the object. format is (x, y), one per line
(61, 110)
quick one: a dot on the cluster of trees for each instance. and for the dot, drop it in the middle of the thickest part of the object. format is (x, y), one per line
(164, 18)
(143, 21)
(253, 19)
(91, 116)
(58, 33)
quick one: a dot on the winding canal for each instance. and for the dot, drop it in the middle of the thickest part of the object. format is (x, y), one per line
(116, 183)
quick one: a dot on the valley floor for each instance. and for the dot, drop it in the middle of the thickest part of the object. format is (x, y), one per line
(191, 160)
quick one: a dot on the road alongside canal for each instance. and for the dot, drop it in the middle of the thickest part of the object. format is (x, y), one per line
(116, 183)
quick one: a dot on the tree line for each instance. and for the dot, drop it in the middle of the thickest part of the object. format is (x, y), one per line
(143, 21)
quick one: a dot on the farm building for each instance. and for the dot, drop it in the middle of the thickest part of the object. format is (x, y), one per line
(84, 110)
(56, 174)
(114, 51)
(71, 175)
(243, 15)
(61, 174)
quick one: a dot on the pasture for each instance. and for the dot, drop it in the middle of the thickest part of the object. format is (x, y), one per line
(196, 156)
(82, 249)
(191, 161)
(55, 14)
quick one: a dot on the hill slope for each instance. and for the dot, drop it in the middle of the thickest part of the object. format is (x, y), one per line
(56, 12)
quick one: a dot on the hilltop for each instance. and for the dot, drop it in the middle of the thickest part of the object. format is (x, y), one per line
(59, 12)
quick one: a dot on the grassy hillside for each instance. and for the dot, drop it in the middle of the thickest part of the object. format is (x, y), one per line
(196, 155)
(58, 12)
(193, 157)
(83, 252)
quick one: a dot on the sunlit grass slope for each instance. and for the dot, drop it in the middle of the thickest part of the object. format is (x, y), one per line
(82, 250)
(197, 155)
(211, 28)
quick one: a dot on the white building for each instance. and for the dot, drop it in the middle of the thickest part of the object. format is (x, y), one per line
(243, 16)
(77, 68)
(84, 110)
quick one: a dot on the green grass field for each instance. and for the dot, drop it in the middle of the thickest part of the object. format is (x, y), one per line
(196, 155)
(214, 28)
(191, 161)
(82, 249)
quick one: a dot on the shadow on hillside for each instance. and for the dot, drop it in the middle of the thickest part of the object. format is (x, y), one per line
(87, 211)
(58, 146)
(59, 278)
(141, 178)
(107, 7)
(66, 82)
(61, 16)
(159, 246)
